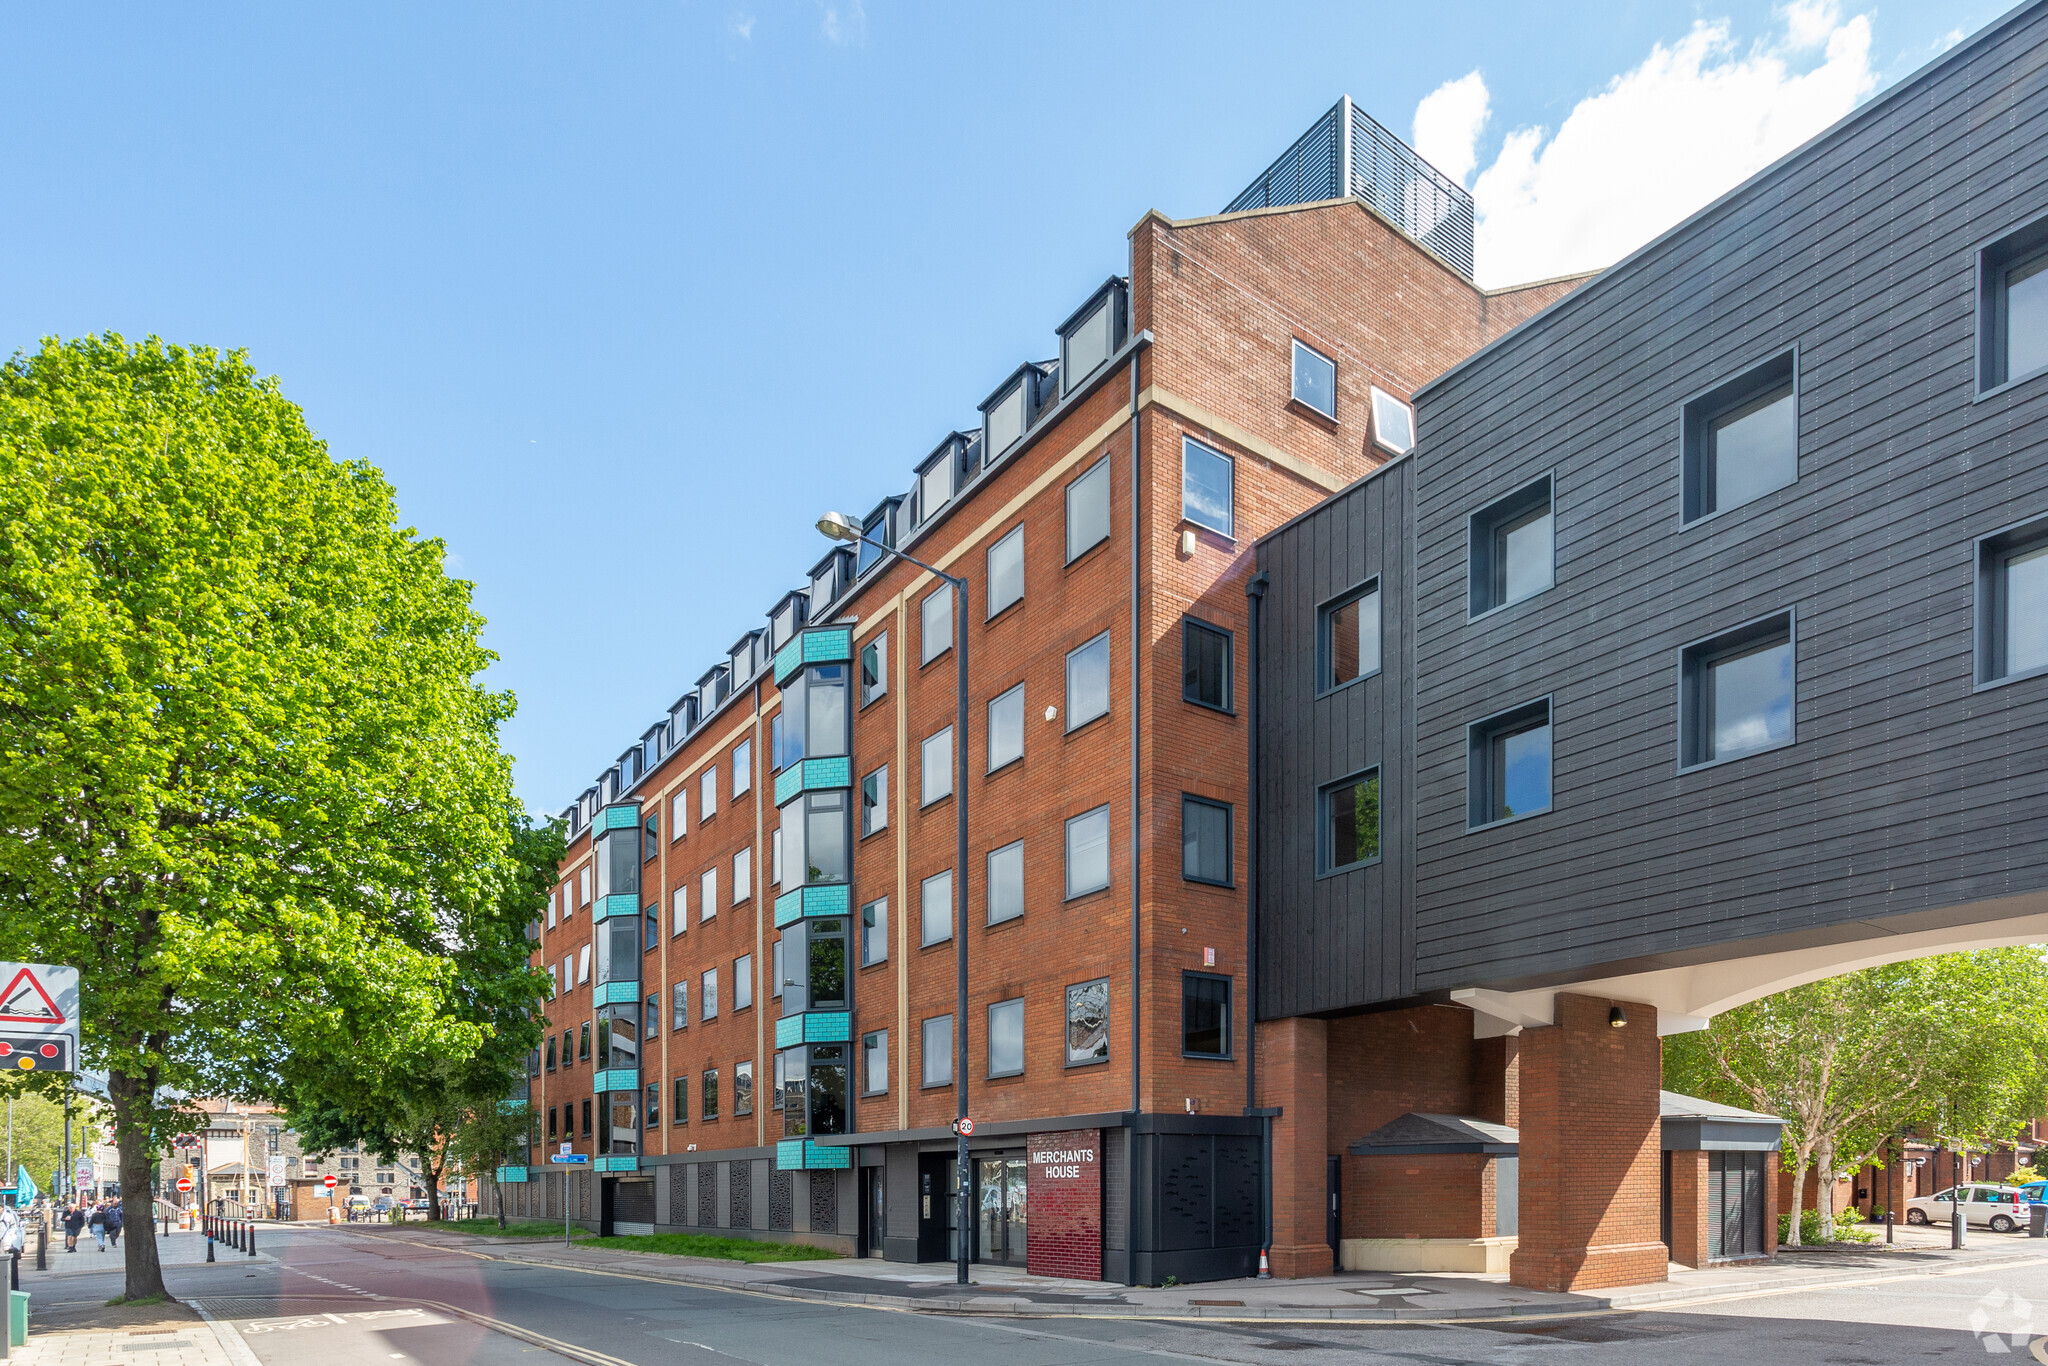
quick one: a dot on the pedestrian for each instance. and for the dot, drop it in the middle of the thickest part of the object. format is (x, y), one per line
(97, 1221)
(74, 1223)
(114, 1221)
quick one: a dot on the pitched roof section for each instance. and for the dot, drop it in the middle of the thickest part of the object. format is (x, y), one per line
(1414, 1133)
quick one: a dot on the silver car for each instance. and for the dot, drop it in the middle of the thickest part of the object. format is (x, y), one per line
(2002, 1209)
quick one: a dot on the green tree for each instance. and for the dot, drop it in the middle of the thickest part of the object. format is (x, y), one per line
(1849, 1061)
(493, 1134)
(250, 785)
(34, 1122)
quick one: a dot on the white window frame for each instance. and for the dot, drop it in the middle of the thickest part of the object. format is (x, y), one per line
(1229, 529)
(1014, 538)
(742, 768)
(707, 794)
(925, 769)
(924, 910)
(743, 875)
(707, 896)
(743, 981)
(1389, 411)
(583, 966)
(707, 995)
(932, 642)
(678, 814)
(679, 911)
(1294, 379)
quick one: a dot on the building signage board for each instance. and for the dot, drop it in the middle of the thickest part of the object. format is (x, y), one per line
(277, 1171)
(1063, 1198)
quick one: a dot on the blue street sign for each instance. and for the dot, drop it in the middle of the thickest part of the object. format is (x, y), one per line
(569, 1159)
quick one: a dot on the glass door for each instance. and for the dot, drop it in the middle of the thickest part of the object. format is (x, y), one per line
(999, 1226)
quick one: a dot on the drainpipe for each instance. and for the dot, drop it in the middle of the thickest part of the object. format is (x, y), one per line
(1133, 1204)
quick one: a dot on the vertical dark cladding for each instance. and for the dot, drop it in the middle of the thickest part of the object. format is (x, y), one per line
(1908, 791)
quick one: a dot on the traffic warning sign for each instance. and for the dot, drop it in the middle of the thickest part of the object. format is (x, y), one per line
(40, 995)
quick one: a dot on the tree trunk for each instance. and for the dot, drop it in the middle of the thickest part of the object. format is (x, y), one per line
(1798, 1202)
(433, 1179)
(132, 1100)
(500, 1190)
(1824, 1188)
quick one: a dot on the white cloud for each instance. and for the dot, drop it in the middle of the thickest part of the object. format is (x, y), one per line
(740, 26)
(1949, 40)
(1689, 123)
(844, 26)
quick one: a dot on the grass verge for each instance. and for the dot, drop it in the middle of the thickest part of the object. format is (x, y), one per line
(725, 1249)
(489, 1228)
(138, 1300)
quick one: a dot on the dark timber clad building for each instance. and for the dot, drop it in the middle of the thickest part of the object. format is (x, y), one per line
(1699, 648)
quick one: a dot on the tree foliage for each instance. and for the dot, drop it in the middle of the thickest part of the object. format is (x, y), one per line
(250, 784)
(1954, 1046)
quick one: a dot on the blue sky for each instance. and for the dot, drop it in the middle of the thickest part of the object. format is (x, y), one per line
(620, 297)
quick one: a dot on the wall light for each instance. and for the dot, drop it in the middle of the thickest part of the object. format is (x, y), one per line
(1617, 1018)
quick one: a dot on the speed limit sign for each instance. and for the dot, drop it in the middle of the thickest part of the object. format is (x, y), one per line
(184, 1185)
(964, 1126)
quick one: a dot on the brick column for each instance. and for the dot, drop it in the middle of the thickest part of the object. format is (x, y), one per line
(1590, 1142)
(1294, 1075)
(1689, 1208)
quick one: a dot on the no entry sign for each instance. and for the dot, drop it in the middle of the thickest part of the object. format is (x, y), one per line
(184, 1185)
(328, 1181)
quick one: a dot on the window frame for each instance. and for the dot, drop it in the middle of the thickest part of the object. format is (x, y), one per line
(707, 995)
(679, 1102)
(881, 926)
(1990, 615)
(992, 609)
(1067, 853)
(1230, 463)
(707, 895)
(742, 887)
(879, 772)
(1189, 623)
(679, 813)
(1324, 868)
(880, 646)
(1379, 398)
(1229, 1014)
(1109, 681)
(678, 1005)
(1993, 260)
(1067, 1023)
(872, 1041)
(1294, 379)
(925, 654)
(742, 768)
(989, 884)
(1697, 416)
(1696, 656)
(679, 910)
(1497, 514)
(925, 796)
(1482, 783)
(952, 910)
(707, 786)
(1229, 839)
(925, 1054)
(989, 1046)
(743, 982)
(1358, 592)
(743, 1094)
(1101, 467)
(989, 730)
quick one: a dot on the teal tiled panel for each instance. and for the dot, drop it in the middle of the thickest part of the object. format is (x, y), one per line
(814, 1026)
(818, 1157)
(789, 908)
(828, 646)
(787, 659)
(812, 775)
(789, 1031)
(789, 1155)
(511, 1176)
(610, 907)
(628, 1163)
(788, 783)
(830, 898)
(618, 993)
(616, 1079)
(624, 816)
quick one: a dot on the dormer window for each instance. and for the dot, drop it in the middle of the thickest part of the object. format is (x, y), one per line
(829, 578)
(879, 527)
(937, 478)
(1093, 334)
(681, 717)
(743, 660)
(1006, 419)
(785, 619)
(1009, 412)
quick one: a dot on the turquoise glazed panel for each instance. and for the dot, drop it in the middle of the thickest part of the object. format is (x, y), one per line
(787, 660)
(789, 1155)
(789, 1031)
(788, 783)
(629, 1163)
(836, 772)
(828, 898)
(828, 647)
(607, 907)
(511, 1176)
(618, 994)
(616, 1079)
(814, 1026)
(623, 817)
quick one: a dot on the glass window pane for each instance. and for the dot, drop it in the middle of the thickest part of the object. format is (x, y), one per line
(1006, 571)
(1751, 451)
(1205, 1014)
(938, 1051)
(742, 767)
(1006, 728)
(1006, 421)
(1205, 841)
(1006, 883)
(874, 801)
(1351, 639)
(707, 896)
(1522, 761)
(874, 1062)
(1088, 510)
(709, 1094)
(743, 981)
(1088, 682)
(874, 932)
(935, 767)
(742, 875)
(2026, 611)
(680, 1007)
(1351, 822)
(935, 909)
(874, 668)
(1393, 422)
(1205, 487)
(1005, 1038)
(777, 971)
(1088, 1021)
(1088, 852)
(1523, 551)
(707, 994)
(935, 488)
(1749, 700)
(825, 853)
(825, 965)
(743, 1088)
(1205, 665)
(825, 730)
(2026, 319)
(935, 625)
(1315, 380)
(1087, 345)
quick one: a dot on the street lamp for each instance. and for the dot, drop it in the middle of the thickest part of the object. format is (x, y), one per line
(839, 527)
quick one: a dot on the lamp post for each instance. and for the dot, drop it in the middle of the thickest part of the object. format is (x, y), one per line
(839, 527)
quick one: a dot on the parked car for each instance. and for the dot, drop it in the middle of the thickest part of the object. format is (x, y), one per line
(2036, 1192)
(2001, 1209)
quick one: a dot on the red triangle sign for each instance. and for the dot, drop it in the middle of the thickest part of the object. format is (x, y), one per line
(26, 1002)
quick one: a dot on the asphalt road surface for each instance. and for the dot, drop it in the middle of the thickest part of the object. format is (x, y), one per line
(339, 1299)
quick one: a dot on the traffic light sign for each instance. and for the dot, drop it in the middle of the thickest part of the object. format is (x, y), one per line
(35, 1052)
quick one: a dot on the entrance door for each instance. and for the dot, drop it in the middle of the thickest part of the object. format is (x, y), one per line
(999, 1230)
(874, 1209)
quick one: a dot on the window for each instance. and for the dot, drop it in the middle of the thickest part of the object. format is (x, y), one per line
(1204, 1015)
(1006, 420)
(1348, 638)
(1510, 548)
(818, 833)
(650, 928)
(1204, 664)
(935, 767)
(554, 984)
(874, 802)
(653, 1105)
(583, 1043)
(1088, 682)
(874, 1062)
(1205, 841)
(566, 1037)
(1736, 691)
(776, 970)
(1006, 1038)
(2012, 603)
(878, 528)
(775, 856)
(1006, 883)
(1006, 571)
(874, 668)
(583, 966)
(551, 1053)
(1088, 1022)
(1086, 344)
(707, 895)
(1315, 380)
(551, 1124)
(679, 1103)
(2012, 307)
(586, 1119)
(1088, 511)
(707, 994)
(935, 485)
(1348, 823)
(938, 1051)
(935, 624)
(1740, 440)
(551, 910)
(1006, 728)
(1088, 852)
(582, 888)
(742, 767)
(935, 909)
(1507, 765)
(1393, 422)
(678, 814)
(707, 1094)
(1205, 487)
(651, 846)
(874, 932)
(742, 876)
(743, 981)
(707, 795)
(679, 911)
(779, 1081)
(743, 1088)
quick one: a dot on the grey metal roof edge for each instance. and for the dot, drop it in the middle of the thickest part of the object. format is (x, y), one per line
(1007, 1128)
(1363, 1149)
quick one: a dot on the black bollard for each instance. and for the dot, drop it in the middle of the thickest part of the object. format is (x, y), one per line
(252, 1238)
(209, 1247)
(42, 1247)
(14, 1270)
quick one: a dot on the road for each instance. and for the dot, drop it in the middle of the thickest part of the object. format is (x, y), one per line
(339, 1299)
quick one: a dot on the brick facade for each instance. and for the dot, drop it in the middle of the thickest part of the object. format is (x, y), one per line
(1063, 1204)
